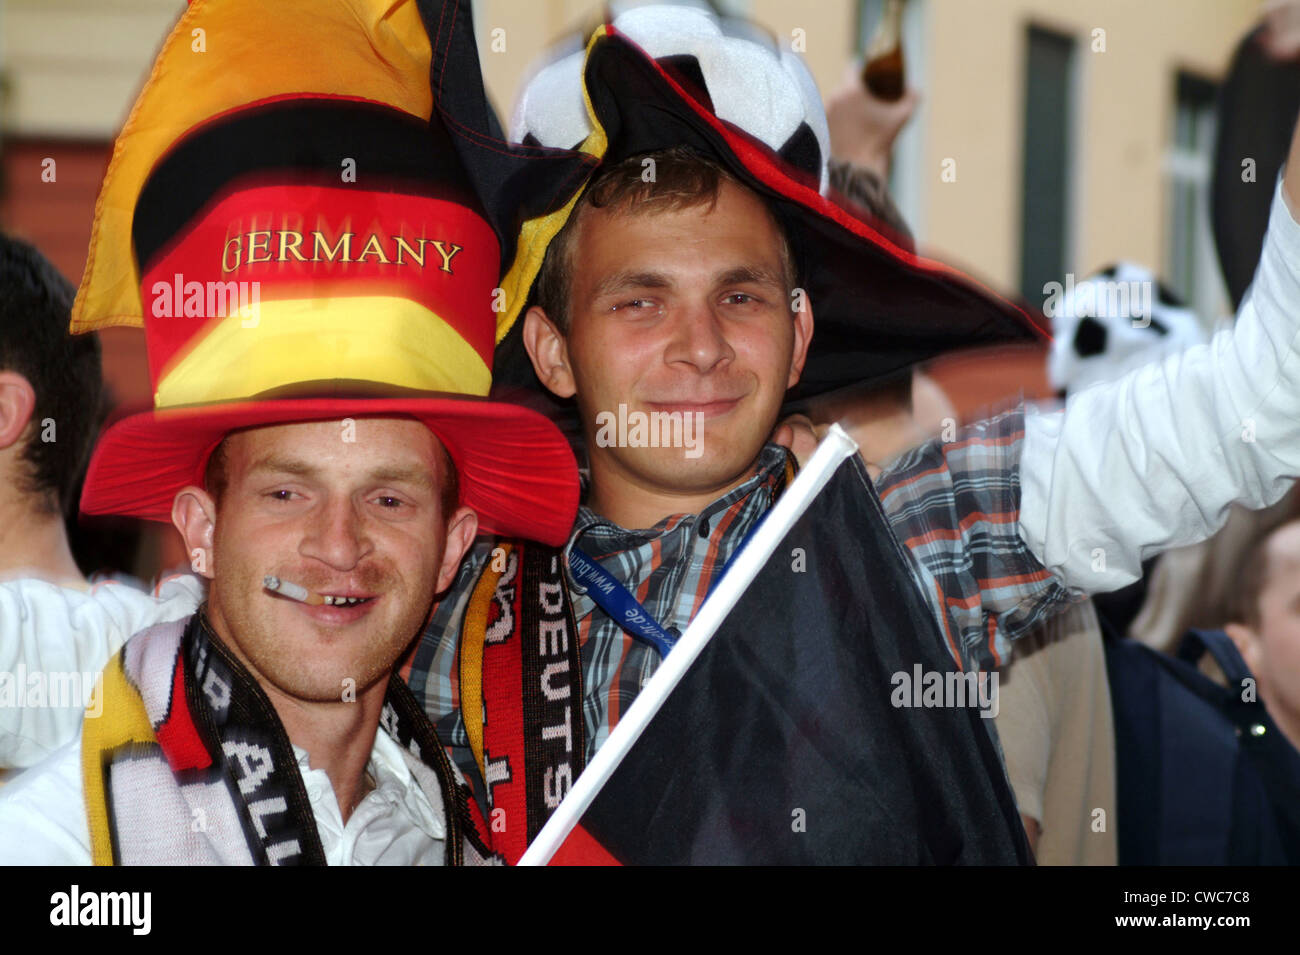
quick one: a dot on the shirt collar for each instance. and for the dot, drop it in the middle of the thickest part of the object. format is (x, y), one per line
(394, 783)
(599, 534)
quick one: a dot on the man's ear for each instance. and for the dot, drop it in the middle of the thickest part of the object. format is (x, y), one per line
(1246, 641)
(195, 515)
(17, 401)
(549, 351)
(803, 331)
(461, 529)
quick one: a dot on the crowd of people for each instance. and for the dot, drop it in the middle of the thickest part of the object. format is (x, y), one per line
(428, 579)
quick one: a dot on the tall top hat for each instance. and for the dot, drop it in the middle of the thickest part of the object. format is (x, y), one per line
(662, 76)
(289, 218)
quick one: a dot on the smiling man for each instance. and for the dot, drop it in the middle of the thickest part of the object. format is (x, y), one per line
(373, 526)
(269, 727)
(667, 288)
(327, 457)
(524, 665)
(670, 301)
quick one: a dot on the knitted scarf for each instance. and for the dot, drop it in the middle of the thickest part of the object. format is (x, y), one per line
(188, 763)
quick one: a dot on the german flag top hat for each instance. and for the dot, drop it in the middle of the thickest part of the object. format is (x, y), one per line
(662, 76)
(287, 216)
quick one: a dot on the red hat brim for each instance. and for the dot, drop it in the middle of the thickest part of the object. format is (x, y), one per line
(515, 469)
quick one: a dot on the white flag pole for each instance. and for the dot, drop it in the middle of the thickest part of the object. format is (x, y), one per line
(835, 447)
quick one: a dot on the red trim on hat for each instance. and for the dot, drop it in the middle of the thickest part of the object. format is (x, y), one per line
(516, 470)
(761, 163)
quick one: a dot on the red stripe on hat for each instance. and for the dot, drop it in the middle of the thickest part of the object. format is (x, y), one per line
(308, 242)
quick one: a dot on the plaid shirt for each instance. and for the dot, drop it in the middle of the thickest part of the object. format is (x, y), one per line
(955, 506)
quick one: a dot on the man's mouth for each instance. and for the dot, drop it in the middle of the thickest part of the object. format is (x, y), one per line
(333, 607)
(340, 600)
(709, 409)
(340, 609)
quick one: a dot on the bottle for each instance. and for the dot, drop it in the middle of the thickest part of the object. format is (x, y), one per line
(882, 73)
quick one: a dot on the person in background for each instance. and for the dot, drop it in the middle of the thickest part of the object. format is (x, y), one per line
(50, 400)
(51, 391)
(51, 394)
(1266, 627)
(1055, 718)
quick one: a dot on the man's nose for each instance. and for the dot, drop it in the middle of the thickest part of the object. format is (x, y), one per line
(699, 338)
(336, 535)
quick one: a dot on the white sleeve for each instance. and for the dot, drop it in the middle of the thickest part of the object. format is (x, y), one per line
(54, 641)
(43, 813)
(1153, 461)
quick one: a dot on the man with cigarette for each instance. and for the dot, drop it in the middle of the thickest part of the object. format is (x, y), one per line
(670, 318)
(325, 476)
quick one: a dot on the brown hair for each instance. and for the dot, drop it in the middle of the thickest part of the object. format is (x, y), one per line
(682, 179)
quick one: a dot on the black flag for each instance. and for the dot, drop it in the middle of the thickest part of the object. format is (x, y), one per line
(800, 734)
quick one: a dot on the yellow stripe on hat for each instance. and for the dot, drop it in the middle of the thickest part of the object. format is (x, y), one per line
(536, 234)
(227, 54)
(395, 341)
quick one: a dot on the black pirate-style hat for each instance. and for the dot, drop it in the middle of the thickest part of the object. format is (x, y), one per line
(658, 77)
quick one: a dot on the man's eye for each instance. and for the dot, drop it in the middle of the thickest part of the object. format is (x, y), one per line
(739, 298)
(281, 494)
(635, 304)
(388, 501)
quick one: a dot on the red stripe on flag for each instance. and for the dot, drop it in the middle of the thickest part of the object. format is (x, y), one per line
(276, 228)
(582, 848)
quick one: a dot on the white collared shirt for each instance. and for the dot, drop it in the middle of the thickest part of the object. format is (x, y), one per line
(43, 813)
(393, 825)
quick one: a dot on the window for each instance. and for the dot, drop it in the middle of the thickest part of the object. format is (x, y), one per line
(1191, 269)
(1045, 220)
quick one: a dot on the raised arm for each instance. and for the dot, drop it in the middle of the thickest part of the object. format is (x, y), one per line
(1153, 460)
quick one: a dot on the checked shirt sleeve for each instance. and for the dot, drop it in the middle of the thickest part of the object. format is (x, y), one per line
(955, 506)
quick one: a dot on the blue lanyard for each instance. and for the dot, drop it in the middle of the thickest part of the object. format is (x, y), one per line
(624, 609)
(616, 601)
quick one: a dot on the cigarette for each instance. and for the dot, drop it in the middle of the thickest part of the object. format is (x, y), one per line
(292, 591)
